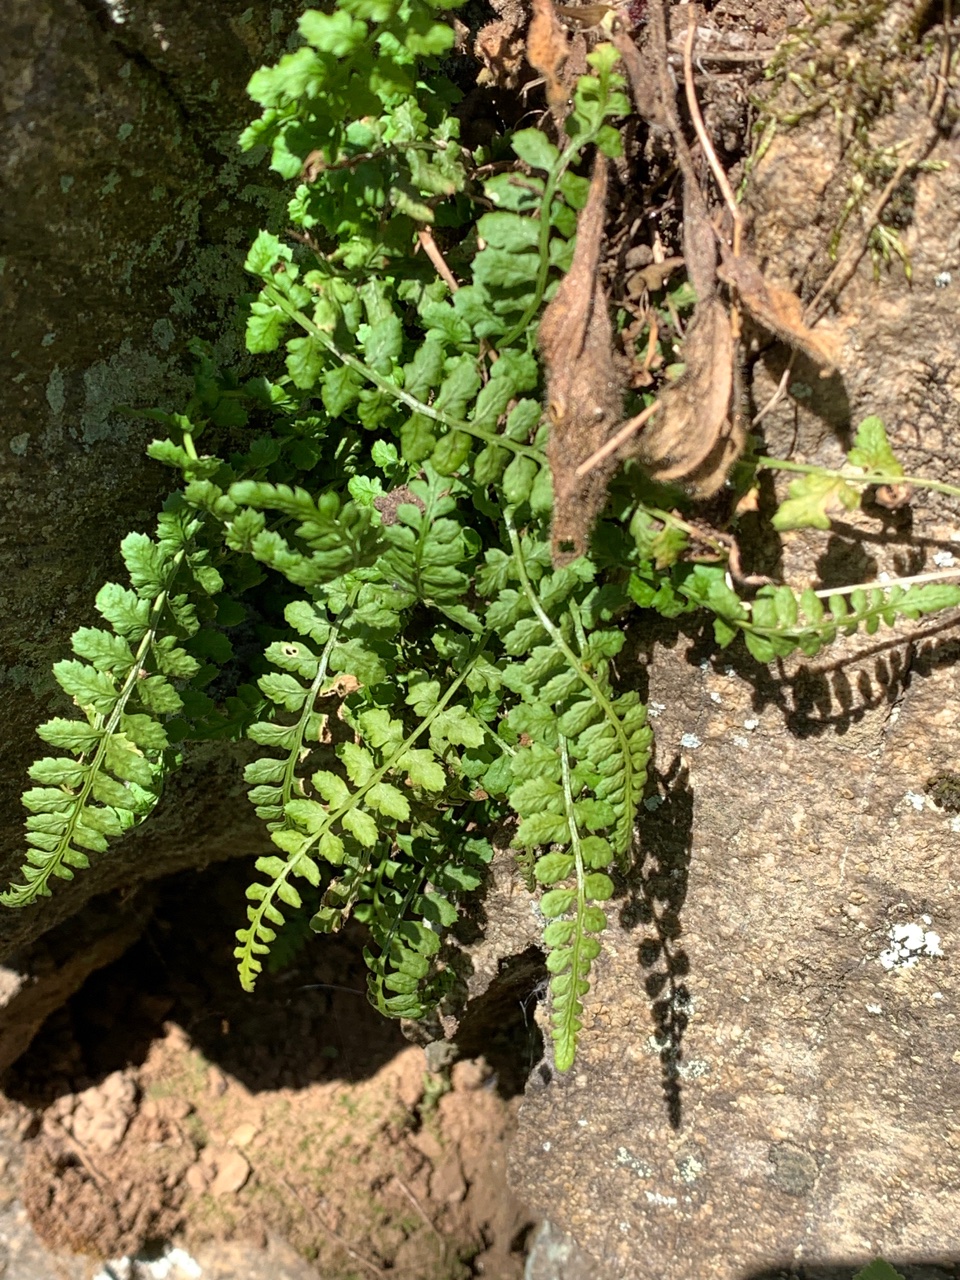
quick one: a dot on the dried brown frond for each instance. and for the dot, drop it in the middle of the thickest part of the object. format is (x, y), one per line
(584, 382)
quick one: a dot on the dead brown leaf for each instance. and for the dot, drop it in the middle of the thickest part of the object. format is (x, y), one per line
(778, 311)
(692, 439)
(584, 382)
(547, 49)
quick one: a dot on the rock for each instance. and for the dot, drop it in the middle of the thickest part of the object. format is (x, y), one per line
(197, 1178)
(447, 1184)
(232, 1171)
(121, 241)
(103, 1113)
(556, 1256)
(232, 1260)
(243, 1135)
(752, 1078)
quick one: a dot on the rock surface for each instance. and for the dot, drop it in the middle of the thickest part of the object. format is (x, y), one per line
(770, 1071)
(126, 204)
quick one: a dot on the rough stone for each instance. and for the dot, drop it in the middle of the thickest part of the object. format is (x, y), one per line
(126, 204)
(768, 1075)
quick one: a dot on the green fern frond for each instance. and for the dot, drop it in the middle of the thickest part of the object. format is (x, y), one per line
(349, 819)
(781, 621)
(578, 778)
(126, 684)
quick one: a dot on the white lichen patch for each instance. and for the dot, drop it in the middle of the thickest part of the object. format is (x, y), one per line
(627, 1160)
(694, 1069)
(690, 741)
(944, 559)
(908, 942)
(689, 1169)
(915, 800)
(655, 709)
(663, 1202)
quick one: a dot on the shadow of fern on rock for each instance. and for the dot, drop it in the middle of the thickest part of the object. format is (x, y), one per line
(657, 892)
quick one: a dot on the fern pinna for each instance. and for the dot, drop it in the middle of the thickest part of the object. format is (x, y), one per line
(435, 672)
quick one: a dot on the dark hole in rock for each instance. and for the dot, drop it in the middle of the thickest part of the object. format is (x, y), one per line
(500, 1025)
(308, 1021)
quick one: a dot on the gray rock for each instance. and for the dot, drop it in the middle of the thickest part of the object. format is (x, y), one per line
(126, 206)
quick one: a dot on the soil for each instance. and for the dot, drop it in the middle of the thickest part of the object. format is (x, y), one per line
(162, 1103)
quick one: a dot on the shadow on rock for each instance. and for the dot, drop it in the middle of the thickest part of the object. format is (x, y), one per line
(658, 890)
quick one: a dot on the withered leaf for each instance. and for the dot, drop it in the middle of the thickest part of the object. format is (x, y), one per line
(584, 382)
(691, 439)
(778, 311)
(547, 49)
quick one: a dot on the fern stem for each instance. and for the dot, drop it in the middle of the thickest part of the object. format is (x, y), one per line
(567, 1037)
(566, 158)
(556, 636)
(939, 576)
(273, 294)
(857, 477)
(290, 770)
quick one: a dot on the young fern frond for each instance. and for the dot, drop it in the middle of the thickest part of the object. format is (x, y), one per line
(782, 621)
(124, 683)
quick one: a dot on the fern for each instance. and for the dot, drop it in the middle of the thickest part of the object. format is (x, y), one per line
(819, 491)
(124, 683)
(581, 770)
(432, 673)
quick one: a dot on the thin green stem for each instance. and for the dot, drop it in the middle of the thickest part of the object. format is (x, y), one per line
(567, 1028)
(273, 294)
(293, 759)
(857, 477)
(566, 158)
(939, 576)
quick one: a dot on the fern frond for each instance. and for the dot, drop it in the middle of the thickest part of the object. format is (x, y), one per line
(578, 778)
(351, 820)
(338, 537)
(780, 621)
(125, 684)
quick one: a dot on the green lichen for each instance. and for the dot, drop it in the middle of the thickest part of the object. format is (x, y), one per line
(56, 393)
